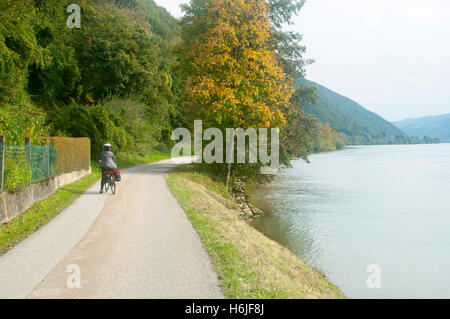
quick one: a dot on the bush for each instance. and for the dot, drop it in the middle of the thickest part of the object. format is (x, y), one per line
(17, 173)
(76, 121)
(132, 115)
(108, 130)
(339, 144)
(20, 121)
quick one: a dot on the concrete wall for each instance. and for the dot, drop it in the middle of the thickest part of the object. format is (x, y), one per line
(14, 203)
(71, 177)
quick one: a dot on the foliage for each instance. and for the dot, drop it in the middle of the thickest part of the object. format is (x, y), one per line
(123, 48)
(17, 172)
(287, 44)
(327, 139)
(73, 154)
(115, 51)
(131, 114)
(110, 131)
(18, 122)
(18, 48)
(76, 121)
(94, 122)
(56, 76)
(26, 164)
(297, 138)
(43, 162)
(231, 75)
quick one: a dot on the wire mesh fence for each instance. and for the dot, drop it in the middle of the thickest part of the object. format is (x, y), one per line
(21, 165)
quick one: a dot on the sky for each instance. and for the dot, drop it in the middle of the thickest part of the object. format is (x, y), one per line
(391, 56)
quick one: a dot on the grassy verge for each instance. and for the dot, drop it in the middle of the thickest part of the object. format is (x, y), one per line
(42, 212)
(249, 265)
(129, 160)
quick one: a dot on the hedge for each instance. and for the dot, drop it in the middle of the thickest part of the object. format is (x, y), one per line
(73, 154)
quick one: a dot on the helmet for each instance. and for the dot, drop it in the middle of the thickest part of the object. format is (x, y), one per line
(107, 145)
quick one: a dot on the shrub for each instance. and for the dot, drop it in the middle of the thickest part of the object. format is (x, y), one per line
(76, 121)
(339, 144)
(108, 130)
(17, 173)
(132, 114)
(20, 121)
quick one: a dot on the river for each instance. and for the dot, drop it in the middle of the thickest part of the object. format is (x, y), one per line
(387, 206)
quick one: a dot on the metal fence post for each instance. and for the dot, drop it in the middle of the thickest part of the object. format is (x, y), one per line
(28, 150)
(47, 146)
(2, 174)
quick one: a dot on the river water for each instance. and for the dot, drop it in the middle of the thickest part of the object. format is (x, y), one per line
(387, 206)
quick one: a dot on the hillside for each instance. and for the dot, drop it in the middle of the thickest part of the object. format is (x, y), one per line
(433, 126)
(350, 118)
(115, 75)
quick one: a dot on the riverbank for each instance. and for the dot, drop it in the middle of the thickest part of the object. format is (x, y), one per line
(249, 264)
(40, 213)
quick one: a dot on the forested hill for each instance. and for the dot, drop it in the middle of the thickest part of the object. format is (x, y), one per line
(112, 80)
(350, 118)
(434, 126)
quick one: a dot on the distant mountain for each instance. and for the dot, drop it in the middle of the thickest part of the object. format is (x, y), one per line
(350, 118)
(433, 126)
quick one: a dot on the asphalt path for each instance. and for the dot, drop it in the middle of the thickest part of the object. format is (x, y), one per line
(135, 244)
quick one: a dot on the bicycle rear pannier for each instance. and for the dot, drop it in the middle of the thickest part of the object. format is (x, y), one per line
(117, 175)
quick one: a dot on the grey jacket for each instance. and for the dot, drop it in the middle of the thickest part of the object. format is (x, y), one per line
(108, 160)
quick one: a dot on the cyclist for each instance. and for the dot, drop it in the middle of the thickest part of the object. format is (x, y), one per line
(107, 163)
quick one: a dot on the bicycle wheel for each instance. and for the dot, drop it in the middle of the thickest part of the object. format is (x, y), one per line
(113, 188)
(106, 187)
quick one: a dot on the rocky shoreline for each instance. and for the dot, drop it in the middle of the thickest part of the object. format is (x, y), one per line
(240, 197)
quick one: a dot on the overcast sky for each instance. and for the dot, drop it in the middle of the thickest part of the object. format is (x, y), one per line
(391, 56)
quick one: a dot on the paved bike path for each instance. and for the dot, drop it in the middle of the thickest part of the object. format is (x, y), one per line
(135, 244)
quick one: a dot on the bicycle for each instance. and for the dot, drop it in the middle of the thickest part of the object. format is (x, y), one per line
(110, 181)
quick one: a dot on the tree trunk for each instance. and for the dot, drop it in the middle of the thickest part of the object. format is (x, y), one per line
(228, 175)
(230, 156)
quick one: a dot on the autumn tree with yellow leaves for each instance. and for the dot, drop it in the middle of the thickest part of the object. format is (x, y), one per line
(231, 76)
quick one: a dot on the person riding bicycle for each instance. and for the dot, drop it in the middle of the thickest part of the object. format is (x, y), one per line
(107, 163)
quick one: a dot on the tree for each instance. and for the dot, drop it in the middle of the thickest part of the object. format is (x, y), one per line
(55, 77)
(287, 43)
(298, 135)
(230, 72)
(18, 48)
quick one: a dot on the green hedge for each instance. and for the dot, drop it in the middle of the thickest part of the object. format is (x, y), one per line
(72, 154)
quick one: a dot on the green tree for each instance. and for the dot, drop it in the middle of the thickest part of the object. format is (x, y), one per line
(18, 48)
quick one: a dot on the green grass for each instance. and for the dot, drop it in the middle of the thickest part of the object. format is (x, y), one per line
(249, 265)
(42, 212)
(129, 160)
